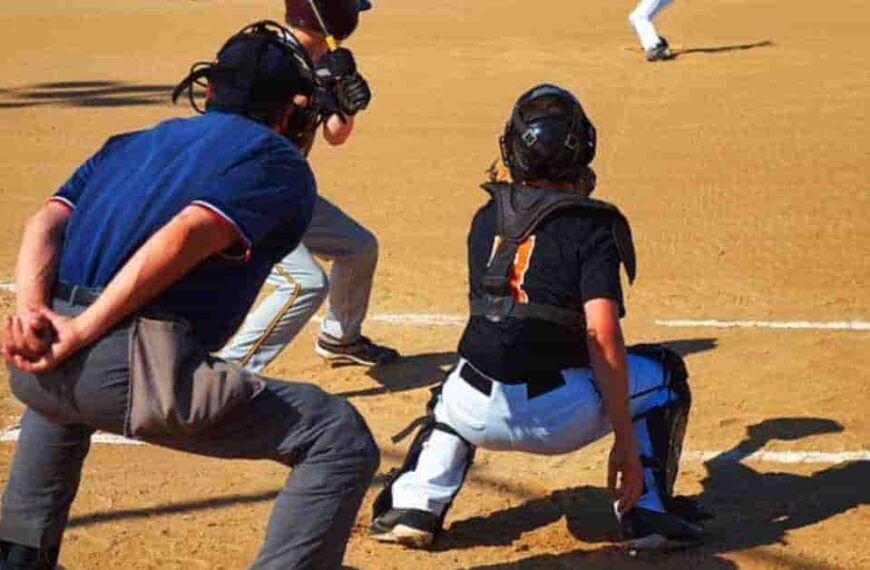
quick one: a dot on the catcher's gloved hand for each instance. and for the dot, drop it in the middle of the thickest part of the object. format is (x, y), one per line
(337, 75)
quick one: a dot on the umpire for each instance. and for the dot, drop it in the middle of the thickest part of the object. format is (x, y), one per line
(141, 264)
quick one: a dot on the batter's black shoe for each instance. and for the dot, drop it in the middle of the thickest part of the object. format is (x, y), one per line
(19, 557)
(660, 52)
(409, 527)
(642, 529)
(361, 351)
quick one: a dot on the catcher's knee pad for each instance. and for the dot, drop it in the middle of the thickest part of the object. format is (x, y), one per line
(427, 425)
(666, 424)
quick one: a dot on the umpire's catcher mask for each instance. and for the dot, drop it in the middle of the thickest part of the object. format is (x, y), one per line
(548, 136)
(257, 73)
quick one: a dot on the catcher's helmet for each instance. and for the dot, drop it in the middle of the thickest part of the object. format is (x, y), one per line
(258, 71)
(340, 16)
(548, 136)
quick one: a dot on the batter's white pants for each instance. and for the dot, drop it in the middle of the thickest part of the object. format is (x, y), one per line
(641, 18)
(560, 421)
(301, 286)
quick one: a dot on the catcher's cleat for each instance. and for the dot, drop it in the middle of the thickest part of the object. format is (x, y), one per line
(660, 52)
(361, 351)
(643, 529)
(409, 527)
(688, 508)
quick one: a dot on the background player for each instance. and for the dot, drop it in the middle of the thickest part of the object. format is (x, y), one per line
(300, 284)
(655, 46)
(138, 255)
(543, 367)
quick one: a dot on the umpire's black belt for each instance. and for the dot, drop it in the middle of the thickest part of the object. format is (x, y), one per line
(75, 294)
(533, 389)
(87, 296)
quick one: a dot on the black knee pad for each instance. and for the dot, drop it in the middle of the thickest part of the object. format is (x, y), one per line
(666, 424)
(384, 501)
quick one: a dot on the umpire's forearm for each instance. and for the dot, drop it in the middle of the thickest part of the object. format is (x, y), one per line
(36, 268)
(172, 251)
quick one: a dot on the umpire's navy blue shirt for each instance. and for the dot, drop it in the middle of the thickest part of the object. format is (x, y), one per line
(243, 172)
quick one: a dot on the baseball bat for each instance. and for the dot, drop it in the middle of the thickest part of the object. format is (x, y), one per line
(331, 42)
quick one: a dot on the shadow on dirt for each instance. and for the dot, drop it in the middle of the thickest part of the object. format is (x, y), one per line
(751, 508)
(409, 373)
(421, 370)
(721, 49)
(85, 94)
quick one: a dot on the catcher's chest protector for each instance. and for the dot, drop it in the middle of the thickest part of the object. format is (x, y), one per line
(519, 211)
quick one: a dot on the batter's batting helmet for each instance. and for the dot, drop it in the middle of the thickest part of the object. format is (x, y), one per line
(340, 16)
(548, 136)
(257, 72)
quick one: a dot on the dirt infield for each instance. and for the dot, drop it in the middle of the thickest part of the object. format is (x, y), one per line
(743, 166)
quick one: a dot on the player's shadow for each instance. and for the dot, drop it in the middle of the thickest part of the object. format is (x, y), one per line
(420, 370)
(410, 372)
(679, 52)
(751, 508)
(685, 347)
(85, 94)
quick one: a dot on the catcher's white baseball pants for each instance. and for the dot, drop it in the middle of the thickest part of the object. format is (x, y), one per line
(641, 19)
(560, 421)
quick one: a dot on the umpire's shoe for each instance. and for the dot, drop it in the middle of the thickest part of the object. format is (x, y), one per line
(409, 527)
(660, 52)
(643, 529)
(19, 557)
(361, 351)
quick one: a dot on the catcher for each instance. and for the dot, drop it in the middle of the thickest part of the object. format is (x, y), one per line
(542, 365)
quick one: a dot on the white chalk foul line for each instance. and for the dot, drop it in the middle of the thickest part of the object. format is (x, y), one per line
(793, 325)
(448, 320)
(12, 434)
(817, 457)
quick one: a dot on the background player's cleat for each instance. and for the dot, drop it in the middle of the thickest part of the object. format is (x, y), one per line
(361, 351)
(409, 527)
(642, 529)
(660, 52)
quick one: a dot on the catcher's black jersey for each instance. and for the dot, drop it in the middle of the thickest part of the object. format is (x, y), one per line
(570, 258)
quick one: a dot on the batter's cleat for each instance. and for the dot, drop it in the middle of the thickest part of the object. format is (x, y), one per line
(361, 351)
(660, 52)
(409, 527)
(643, 529)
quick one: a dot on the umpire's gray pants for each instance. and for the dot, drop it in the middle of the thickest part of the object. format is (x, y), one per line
(321, 436)
(301, 286)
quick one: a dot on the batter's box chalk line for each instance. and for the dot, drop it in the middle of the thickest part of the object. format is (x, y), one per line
(449, 320)
(802, 457)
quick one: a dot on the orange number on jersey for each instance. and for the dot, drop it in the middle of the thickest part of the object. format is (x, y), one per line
(520, 266)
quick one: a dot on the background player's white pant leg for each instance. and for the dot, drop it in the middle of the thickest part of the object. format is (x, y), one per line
(560, 421)
(641, 19)
(300, 287)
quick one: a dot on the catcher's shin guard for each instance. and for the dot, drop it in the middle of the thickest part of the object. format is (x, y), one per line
(666, 424)
(384, 501)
